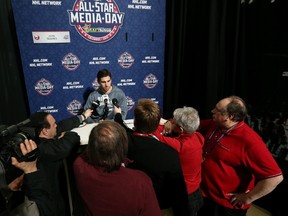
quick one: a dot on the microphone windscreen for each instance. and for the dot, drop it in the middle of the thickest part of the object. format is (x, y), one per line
(95, 104)
(115, 102)
(24, 122)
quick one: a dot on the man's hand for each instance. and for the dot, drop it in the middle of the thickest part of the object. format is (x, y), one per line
(27, 167)
(239, 199)
(87, 113)
(16, 184)
(163, 121)
(168, 127)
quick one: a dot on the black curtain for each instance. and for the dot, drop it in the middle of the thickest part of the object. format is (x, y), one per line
(213, 49)
(205, 58)
(14, 103)
(219, 48)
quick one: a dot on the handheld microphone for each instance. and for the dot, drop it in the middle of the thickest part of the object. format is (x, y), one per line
(115, 102)
(105, 110)
(95, 104)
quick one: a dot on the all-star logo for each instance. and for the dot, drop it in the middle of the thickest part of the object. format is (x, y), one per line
(126, 60)
(150, 81)
(71, 61)
(130, 103)
(44, 87)
(95, 84)
(97, 21)
(74, 107)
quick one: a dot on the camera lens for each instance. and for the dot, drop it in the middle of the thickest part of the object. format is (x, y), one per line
(15, 141)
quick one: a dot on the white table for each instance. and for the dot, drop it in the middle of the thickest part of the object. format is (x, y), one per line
(84, 131)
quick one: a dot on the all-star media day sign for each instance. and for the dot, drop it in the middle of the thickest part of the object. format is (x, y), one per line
(102, 20)
(63, 44)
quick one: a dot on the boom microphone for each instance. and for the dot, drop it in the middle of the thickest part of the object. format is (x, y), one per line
(115, 102)
(13, 128)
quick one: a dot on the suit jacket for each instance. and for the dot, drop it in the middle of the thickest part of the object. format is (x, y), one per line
(52, 154)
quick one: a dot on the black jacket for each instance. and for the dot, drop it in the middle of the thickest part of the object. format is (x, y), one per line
(51, 156)
(36, 188)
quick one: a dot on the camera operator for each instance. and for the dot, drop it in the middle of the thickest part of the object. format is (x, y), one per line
(56, 142)
(31, 183)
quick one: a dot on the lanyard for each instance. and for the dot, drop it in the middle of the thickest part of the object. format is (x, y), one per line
(216, 141)
(145, 135)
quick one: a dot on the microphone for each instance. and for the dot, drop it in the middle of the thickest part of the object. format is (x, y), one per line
(105, 110)
(9, 130)
(95, 104)
(14, 128)
(115, 102)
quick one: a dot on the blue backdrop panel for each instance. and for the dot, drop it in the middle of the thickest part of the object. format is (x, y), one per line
(63, 44)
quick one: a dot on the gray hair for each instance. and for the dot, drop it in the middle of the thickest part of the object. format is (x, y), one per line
(187, 118)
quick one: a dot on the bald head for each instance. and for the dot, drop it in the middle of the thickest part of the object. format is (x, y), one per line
(235, 106)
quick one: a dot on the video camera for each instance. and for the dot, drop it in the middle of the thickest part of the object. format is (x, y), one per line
(10, 139)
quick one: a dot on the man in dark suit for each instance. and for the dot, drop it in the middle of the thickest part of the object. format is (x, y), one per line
(56, 142)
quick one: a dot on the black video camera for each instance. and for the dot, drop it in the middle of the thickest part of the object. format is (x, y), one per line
(10, 139)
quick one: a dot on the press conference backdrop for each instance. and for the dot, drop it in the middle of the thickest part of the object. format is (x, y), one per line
(63, 44)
